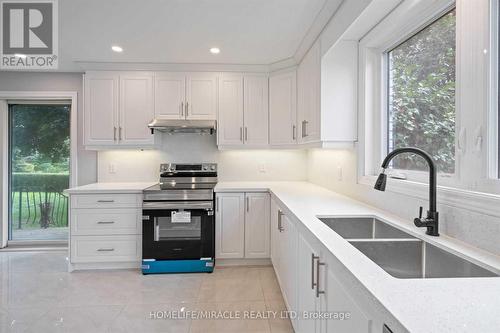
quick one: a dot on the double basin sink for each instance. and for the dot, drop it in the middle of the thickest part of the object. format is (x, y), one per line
(400, 254)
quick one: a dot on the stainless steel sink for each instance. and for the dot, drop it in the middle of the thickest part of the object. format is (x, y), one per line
(363, 228)
(400, 254)
(407, 259)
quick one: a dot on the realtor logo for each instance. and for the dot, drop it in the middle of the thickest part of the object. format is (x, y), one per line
(29, 35)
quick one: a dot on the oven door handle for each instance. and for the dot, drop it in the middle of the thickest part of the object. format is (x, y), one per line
(178, 205)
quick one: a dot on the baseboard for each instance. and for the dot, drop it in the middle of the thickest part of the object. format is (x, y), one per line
(242, 262)
(104, 265)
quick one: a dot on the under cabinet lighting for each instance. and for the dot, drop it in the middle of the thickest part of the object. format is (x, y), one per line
(117, 48)
(215, 50)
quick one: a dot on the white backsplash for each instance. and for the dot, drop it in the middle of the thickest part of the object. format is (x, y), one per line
(237, 165)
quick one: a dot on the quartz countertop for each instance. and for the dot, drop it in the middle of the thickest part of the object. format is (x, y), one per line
(106, 188)
(421, 305)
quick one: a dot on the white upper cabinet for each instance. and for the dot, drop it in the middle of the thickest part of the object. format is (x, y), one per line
(136, 109)
(309, 88)
(101, 108)
(243, 110)
(230, 126)
(170, 95)
(118, 108)
(256, 112)
(283, 109)
(186, 96)
(201, 96)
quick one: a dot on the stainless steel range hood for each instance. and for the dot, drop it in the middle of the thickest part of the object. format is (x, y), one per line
(183, 126)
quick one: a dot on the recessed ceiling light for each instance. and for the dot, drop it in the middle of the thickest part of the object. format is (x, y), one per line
(117, 48)
(19, 55)
(215, 50)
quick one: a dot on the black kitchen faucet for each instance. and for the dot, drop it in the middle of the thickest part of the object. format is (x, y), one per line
(431, 222)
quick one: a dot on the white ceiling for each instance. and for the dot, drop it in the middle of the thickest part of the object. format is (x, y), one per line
(182, 31)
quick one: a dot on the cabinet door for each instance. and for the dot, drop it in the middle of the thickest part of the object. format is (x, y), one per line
(201, 96)
(136, 109)
(170, 96)
(256, 115)
(283, 108)
(230, 129)
(307, 302)
(288, 257)
(309, 87)
(337, 300)
(101, 108)
(230, 225)
(257, 221)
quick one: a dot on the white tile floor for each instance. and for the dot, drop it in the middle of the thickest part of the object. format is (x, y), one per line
(38, 295)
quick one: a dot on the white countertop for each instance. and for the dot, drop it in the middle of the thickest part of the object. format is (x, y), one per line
(136, 187)
(421, 305)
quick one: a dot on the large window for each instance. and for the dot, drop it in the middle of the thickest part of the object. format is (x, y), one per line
(421, 96)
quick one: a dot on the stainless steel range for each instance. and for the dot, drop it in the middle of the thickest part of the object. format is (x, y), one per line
(178, 231)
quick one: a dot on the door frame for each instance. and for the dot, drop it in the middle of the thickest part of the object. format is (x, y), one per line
(5, 96)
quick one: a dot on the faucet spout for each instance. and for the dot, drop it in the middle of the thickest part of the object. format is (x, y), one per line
(432, 219)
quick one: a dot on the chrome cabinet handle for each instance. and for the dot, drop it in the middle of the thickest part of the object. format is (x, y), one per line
(105, 249)
(248, 204)
(105, 201)
(182, 109)
(187, 109)
(246, 133)
(280, 215)
(318, 292)
(105, 222)
(114, 133)
(305, 128)
(241, 134)
(120, 133)
(293, 132)
(313, 259)
(217, 204)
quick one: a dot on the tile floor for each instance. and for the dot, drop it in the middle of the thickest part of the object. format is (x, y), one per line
(37, 294)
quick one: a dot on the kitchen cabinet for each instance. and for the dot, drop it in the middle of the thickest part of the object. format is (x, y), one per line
(230, 124)
(336, 299)
(186, 96)
(283, 109)
(230, 225)
(243, 111)
(307, 276)
(308, 96)
(105, 231)
(242, 226)
(117, 109)
(257, 225)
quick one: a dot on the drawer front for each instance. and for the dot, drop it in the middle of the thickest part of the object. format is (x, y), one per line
(106, 201)
(88, 249)
(125, 221)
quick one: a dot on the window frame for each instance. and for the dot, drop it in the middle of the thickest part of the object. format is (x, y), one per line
(476, 171)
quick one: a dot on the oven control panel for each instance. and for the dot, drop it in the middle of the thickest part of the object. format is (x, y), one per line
(200, 167)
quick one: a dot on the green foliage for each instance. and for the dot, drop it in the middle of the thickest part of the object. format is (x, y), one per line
(40, 138)
(422, 96)
(39, 182)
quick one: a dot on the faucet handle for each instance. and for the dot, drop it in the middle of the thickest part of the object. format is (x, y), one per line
(420, 211)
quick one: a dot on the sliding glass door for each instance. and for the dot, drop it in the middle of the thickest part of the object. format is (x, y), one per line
(39, 155)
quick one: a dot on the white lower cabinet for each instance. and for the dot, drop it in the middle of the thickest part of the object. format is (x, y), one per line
(242, 226)
(105, 230)
(309, 282)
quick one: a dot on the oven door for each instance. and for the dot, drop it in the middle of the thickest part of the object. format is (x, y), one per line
(178, 230)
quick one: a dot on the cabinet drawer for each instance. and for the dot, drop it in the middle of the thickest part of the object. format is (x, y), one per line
(112, 200)
(85, 249)
(125, 221)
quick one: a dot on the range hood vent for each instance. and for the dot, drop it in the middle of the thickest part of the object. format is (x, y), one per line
(183, 126)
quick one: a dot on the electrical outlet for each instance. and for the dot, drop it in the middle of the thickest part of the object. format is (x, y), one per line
(112, 168)
(339, 173)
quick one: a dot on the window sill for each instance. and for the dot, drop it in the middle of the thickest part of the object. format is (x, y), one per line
(478, 202)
